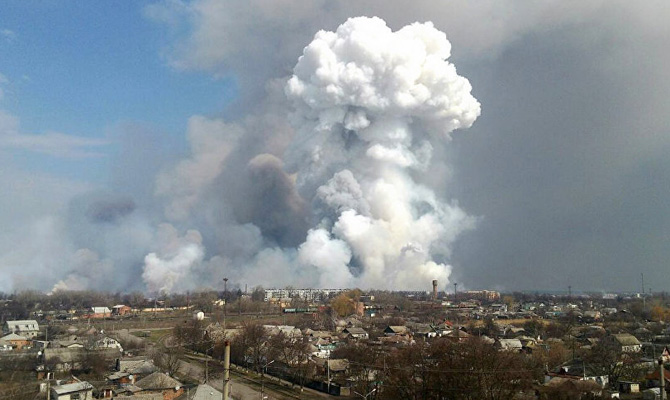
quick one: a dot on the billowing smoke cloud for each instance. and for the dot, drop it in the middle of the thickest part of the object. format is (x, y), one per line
(172, 263)
(367, 105)
(87, 270)
(368, 102)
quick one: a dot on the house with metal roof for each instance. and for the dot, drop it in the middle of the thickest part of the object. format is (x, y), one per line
(28, 328)
(204, 392)
(72, 391)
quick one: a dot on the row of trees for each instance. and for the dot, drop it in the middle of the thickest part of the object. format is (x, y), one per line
(24, 304)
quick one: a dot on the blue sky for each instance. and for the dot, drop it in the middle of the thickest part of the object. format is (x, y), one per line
(86, 68)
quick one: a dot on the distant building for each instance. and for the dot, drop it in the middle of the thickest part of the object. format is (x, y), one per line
(121, 309)
(99, 312)
(304, 294)
(28, 328)
(485, 295)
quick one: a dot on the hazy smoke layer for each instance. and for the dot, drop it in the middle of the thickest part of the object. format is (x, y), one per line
(368, 102)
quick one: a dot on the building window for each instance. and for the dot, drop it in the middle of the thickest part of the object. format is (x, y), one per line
(75, 396)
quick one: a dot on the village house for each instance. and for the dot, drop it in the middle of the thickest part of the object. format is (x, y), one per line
(121, 309)
(72, 391)
(288, 330)
(624, 342)
(394, 330)
(159, 382)
(204, 392)
(28, 328)
(356, 333)
(508, 345)
(15, 341)
(99, 312)
(577, 370)
(138, 367)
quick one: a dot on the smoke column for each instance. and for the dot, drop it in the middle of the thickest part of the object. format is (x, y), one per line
(342, 205)
(368, 104)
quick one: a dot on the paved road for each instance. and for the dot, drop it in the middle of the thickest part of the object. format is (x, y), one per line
(238, 390)
(242, 387)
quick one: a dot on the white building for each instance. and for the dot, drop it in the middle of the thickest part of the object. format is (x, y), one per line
(28, 328)
(305, 294)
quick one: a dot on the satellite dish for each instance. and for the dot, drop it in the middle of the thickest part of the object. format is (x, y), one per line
(176, 388)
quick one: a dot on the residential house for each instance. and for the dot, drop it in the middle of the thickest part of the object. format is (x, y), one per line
(624, 342)
(28, 328)
(577, 370)
(288, 330)
(138, 367)
(15, 341)
(572, 388)
(508, 345)
(99, 312)
(204, 392)
(332, 367)
(592, 315)
(159, 382)
(121, 309)
(458, 335)
(393, 330)
(356, 333)
(107, 343)
(121, 378)
(424, 330)
(66, 359)
(72, 391)
(69, 343)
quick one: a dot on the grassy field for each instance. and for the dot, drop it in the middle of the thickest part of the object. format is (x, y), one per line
(154, 335)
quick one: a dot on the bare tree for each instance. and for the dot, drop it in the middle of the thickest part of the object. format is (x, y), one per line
(250, 346)
(168, 358)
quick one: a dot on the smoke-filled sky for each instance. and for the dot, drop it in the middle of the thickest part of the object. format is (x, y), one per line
(163, 145)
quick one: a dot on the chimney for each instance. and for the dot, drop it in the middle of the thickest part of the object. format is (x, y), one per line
(434, 289)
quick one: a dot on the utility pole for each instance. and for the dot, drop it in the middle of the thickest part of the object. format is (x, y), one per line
(225, 302)
(644, 303)
(265, 367)
(662, 379)
(226, 370)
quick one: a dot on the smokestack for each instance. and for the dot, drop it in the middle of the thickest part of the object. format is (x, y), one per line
(434, 289)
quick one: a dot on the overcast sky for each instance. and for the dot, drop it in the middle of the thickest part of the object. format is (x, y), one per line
(146, 145)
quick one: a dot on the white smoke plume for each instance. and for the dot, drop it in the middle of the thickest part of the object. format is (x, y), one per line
(171, 265)
(368, 102)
